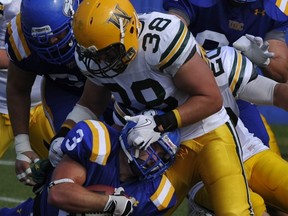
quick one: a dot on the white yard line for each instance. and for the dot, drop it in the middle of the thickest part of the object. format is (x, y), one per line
(7, 199)
(11, 200)
(7, 162)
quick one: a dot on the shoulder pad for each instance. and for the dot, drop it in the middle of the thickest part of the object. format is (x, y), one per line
(16, 40)
(166, 41)
(277, 9)
(88, 139)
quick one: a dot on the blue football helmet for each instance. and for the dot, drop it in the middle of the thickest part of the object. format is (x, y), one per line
(47, 28)
(156, 161)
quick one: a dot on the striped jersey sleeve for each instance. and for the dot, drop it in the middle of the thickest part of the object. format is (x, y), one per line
(88, 140)
(166, 41)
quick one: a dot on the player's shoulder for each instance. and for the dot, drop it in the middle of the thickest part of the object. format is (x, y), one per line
(91, 138)
(165, 39)
(277, 9)
(159, 195)
(18, 48)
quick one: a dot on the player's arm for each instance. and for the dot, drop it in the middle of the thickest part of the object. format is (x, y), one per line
(19, 84)
(196, 78)
(273, 94)
(4, 60)
(278, 67)
(63, 195)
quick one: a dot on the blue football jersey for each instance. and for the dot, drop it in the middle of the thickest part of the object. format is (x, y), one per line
(217, 23)
(96, 146)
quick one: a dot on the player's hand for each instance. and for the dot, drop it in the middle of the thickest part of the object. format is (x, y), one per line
(255, 49)
(25, 157)
(118, 204)
(143, 133)
(55, 152)
(40, 171)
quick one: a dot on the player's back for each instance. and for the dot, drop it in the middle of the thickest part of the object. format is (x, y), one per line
(217, 23)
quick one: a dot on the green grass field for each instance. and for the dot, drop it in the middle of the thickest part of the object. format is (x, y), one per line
(12, 192)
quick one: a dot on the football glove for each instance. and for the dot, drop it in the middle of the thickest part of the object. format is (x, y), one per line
(118, 204)
(143, 133)
(255, 49)
(55, 152)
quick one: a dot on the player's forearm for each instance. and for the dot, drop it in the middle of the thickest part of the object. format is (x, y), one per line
(281, 96)
(64, 197)
(19, 111)
(278, 67)
(197, 108)
(4, 60)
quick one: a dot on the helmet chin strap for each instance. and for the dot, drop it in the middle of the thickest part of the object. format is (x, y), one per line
(122, 32)
(131, 52)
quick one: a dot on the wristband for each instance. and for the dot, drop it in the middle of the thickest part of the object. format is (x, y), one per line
(59, 181)
(168, 121)
(22, 143)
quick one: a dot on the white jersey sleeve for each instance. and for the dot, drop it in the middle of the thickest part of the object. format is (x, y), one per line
(8, 10)
(167, 43)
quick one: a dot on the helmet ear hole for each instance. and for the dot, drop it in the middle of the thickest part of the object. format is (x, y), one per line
(132, 30)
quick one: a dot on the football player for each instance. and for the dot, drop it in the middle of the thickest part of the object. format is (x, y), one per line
(97, 154)
(259, 161)
(40, 42)
(153, 62)
(216, 23)
(8, 10)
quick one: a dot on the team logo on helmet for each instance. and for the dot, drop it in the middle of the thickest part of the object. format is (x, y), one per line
(68, 8)
(117, 15)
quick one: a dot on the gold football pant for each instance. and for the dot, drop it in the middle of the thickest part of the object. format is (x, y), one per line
(273, 145)
(214, 158)
(267, 175)
(40, 132)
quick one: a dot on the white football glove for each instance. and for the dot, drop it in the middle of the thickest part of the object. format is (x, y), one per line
(255, 49)
(119, 204)
(55, 152)
(142, 134)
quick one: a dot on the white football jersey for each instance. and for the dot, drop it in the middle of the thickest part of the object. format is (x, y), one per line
(164, 46)
(233, 72)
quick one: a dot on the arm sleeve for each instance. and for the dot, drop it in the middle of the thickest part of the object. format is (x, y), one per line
(258, 91)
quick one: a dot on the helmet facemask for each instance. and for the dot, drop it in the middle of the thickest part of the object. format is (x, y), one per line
(48, 29)
(107, 62)
(154, 160)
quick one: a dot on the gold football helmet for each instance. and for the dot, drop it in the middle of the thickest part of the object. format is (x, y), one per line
(107, 34)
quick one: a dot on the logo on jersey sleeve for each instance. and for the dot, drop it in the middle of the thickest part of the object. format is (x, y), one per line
(283, 6)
